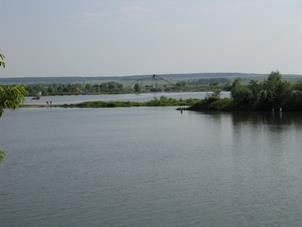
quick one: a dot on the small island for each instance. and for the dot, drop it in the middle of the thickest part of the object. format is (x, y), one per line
(272, 94)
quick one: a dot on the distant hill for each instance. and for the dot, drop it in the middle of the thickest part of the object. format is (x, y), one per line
(173, 77)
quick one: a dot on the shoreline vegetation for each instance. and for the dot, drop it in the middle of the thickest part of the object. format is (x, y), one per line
(162, 101)
(124, 87)
(273, 94)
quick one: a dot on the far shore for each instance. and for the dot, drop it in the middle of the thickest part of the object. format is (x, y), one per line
(162, 101)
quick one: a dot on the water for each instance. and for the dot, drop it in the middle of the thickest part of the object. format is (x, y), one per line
(149, 167)
(121, 97)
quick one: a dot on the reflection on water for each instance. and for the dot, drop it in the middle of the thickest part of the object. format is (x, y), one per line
(274, 130)
(281, 119)
(257, 118)
(150, 167)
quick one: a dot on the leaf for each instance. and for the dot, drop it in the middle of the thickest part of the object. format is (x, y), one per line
(2, 155)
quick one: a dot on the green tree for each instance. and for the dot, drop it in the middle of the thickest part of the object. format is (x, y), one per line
(137, 88)
(241, 94)
(180, 84)
(2, 62)
(2, 155)
(256, 93)
(10, 97)
(276, 90)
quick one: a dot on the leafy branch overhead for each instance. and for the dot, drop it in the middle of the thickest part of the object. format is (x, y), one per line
(2, 62)
(2, 155)
(10, 97)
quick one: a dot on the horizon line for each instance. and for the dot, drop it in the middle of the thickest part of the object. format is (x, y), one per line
(133, 75)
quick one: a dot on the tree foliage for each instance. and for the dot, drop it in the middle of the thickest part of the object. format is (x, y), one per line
(137, 88)
(2, 155)
(122, 87)
(274, 93)
(111, 87)
(10, 97)
(2, 62)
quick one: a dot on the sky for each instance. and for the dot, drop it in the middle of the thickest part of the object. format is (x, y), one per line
(130, 37)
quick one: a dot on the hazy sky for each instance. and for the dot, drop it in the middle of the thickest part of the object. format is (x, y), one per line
(120, 37)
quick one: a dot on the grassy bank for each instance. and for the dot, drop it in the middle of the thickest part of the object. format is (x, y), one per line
(162, 101)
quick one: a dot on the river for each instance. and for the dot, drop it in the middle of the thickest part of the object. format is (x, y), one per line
(149, 167)
(70, 99)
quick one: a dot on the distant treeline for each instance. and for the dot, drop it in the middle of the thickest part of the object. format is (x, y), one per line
(75, 89)
(211, 81)
(272, 94)
(113, 87)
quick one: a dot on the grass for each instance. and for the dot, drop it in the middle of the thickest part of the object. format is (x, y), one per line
(162, 101)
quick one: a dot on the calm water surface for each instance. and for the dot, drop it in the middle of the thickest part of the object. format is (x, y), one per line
(149, 167)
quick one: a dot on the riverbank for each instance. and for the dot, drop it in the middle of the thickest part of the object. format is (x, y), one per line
(229, 105)
(162, 101)
(273, 94)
